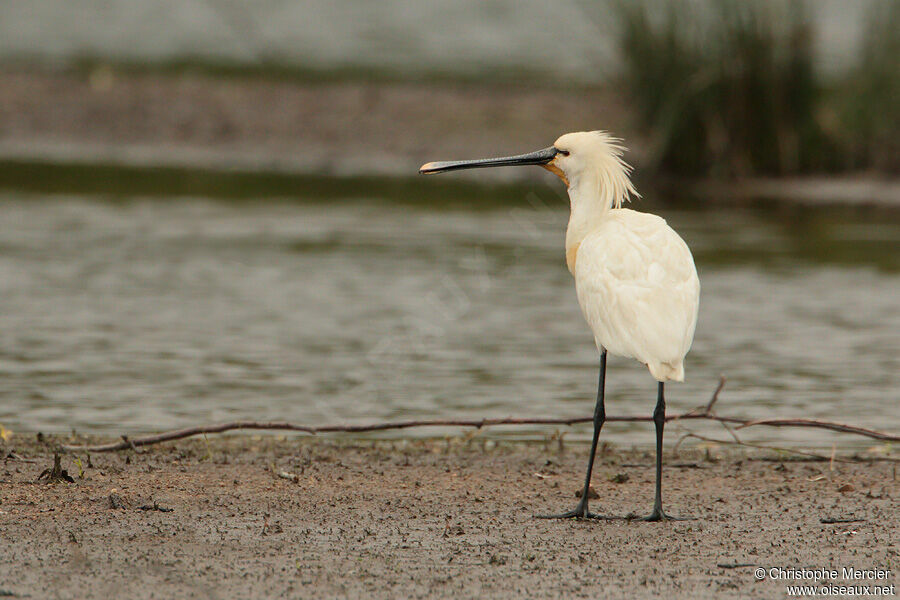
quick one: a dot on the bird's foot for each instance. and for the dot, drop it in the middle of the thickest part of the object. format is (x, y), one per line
(656, 516)
(581, 513)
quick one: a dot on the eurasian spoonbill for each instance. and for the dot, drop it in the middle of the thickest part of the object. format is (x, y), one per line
(634, 276)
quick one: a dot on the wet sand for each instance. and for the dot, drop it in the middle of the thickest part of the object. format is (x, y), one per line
(336, 128)
(352, 127)
(428, 519)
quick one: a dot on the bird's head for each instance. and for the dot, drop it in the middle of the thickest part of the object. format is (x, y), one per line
(583, 160)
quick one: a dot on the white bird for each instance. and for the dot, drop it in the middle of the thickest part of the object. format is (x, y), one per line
(634, 276)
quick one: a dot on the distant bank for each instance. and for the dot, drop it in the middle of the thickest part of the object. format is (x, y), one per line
(60, 128)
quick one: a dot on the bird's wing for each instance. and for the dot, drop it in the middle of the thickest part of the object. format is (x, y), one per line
(638, 288)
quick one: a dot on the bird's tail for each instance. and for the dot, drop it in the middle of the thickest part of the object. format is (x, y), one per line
(667, 371)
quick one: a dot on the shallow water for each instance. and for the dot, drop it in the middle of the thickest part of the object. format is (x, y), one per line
(148, 313)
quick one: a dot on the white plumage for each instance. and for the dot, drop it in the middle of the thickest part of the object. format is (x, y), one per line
(634, 276)
(638, 290)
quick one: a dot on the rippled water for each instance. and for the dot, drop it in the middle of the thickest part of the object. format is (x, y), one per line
(151, 313)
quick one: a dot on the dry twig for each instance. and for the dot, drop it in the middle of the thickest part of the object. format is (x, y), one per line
(699, 413)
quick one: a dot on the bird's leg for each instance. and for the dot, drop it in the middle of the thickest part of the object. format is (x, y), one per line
(581, 511)
(659, 419)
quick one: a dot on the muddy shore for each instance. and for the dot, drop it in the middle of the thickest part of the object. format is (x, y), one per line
(264, 517)
(57, 119)
(330, 128)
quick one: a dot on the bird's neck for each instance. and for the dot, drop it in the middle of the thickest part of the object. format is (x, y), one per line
(589, 207)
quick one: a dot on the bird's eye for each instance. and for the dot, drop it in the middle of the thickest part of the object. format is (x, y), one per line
(563, 152)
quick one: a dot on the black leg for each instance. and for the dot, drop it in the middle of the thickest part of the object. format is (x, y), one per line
(659, 419)
(581, 511)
